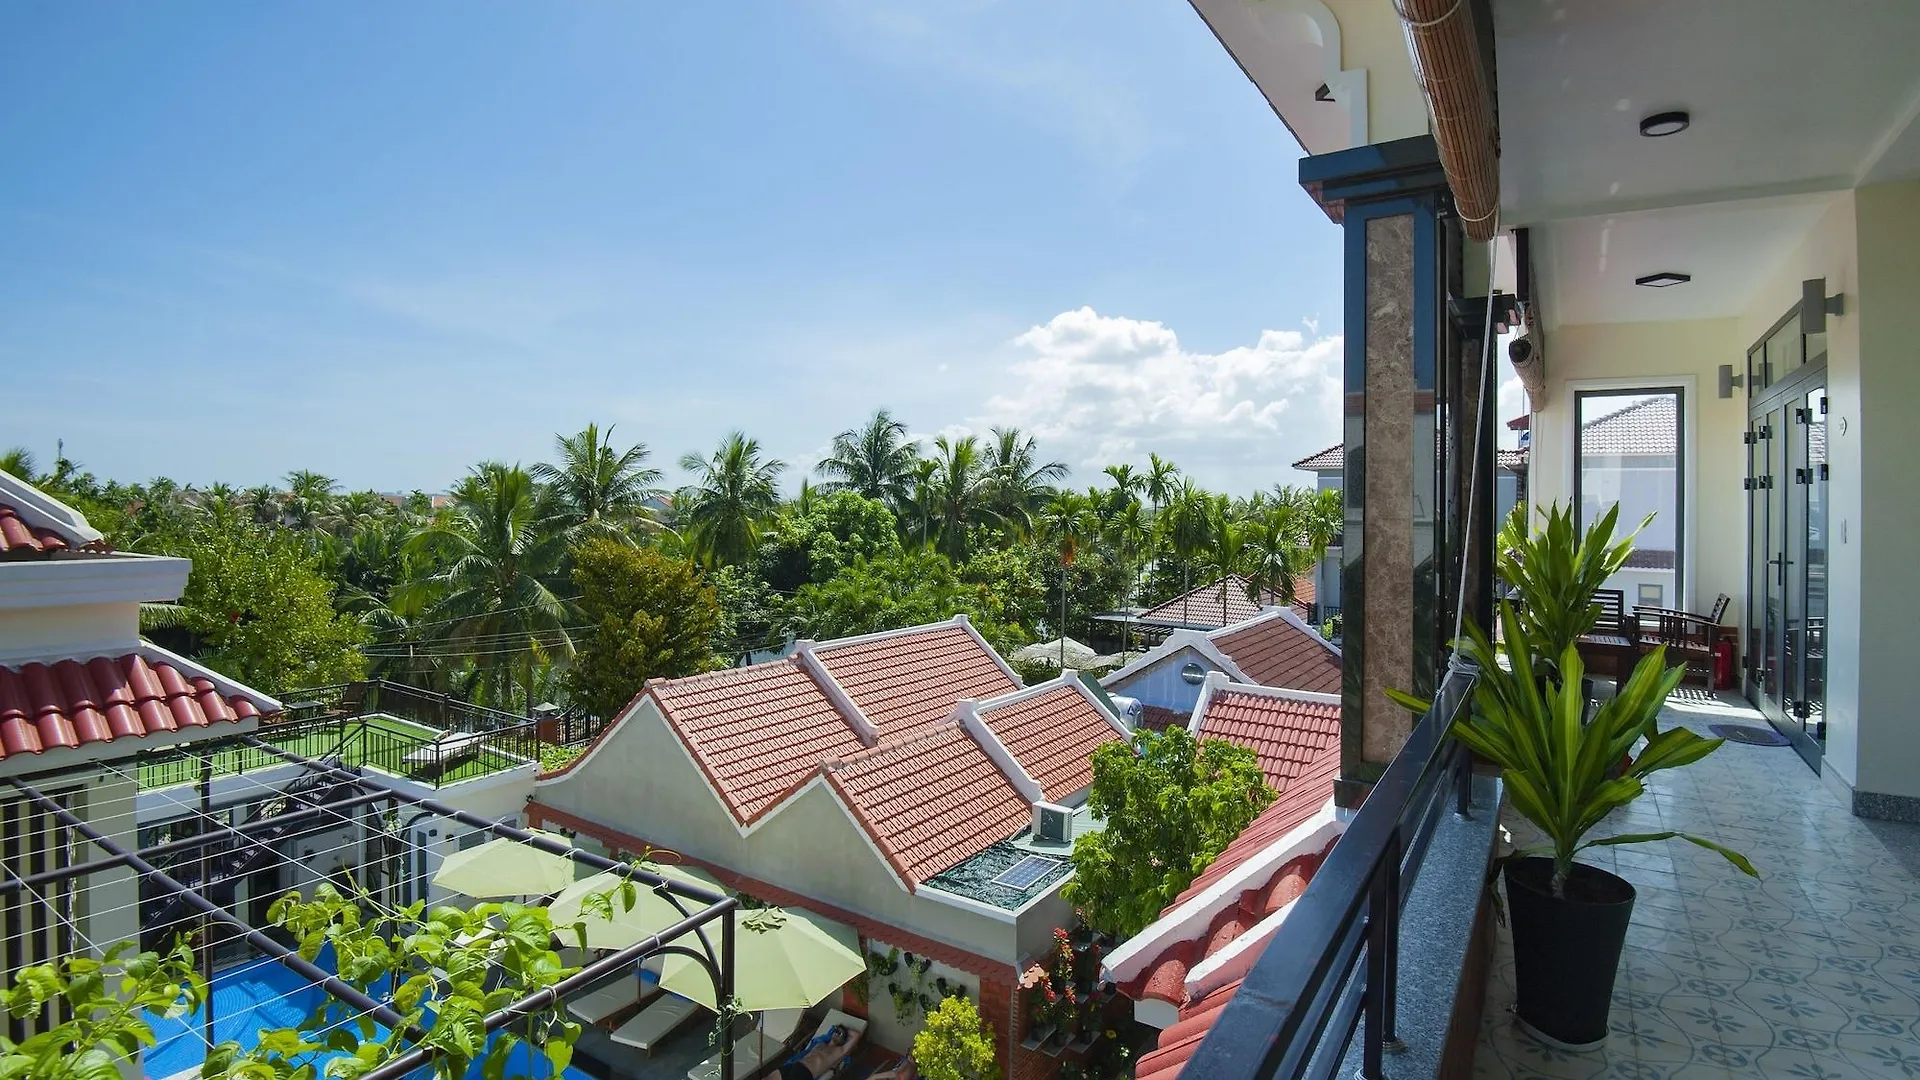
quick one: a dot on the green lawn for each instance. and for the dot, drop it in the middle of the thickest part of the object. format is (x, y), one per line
(384, 746)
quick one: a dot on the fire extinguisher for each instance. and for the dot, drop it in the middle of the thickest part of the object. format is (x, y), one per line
(1723, 665)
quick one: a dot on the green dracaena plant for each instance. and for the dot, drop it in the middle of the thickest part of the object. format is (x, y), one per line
(1557, 571)
(1557, 768)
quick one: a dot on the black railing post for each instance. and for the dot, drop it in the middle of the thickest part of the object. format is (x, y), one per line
(1463, 781)
(1390, 888)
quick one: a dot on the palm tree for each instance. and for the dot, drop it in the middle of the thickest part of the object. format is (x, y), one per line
(1068, 522)
(732, 493)
(918, 515)
(960, 494)
(1158, 485)
(494, 597)
(1276, 553)
(309, 498)
(1130, 532)
(596, 490)
(876, 461)
(1225, 544)
(262, 504)
(18, 460)
(1021, 483)
(1186, 530)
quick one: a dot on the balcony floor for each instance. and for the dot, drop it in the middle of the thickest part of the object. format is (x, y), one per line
(1810, 973)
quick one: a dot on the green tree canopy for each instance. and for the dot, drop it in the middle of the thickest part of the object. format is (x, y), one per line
(907, 589)
(1171, 805)
(261, 611)
(732, 494)
(647, 615)
(830, 534)
(955, 1044)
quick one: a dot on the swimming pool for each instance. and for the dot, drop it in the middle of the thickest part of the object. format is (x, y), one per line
(263, 994)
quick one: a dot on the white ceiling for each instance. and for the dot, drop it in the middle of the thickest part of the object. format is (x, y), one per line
(1791, 101)
(1787, 96)
(1585, 267)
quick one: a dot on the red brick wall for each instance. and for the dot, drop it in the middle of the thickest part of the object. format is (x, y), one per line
(1002, 1008)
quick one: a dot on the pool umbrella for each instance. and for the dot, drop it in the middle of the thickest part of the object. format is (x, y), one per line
(650, 914)
(1050, 653)
(782, 960)
(503, 867)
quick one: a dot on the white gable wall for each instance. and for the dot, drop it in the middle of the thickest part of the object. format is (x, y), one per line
(1160, 683)
(641, 781)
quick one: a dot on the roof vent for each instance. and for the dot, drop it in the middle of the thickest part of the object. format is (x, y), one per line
(1050, 823)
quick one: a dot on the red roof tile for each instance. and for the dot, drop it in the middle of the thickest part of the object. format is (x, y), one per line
(1053, 737)
(73, 703)
(1276, 652)
(19, 539)
(1305, 798)
(757, 732)
(1155, 718)
(1205, 609)
(1286, 733)
(930, 801)
(909, 681)
(1333, 458)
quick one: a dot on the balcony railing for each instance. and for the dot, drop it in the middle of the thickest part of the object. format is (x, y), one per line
(1337, 963)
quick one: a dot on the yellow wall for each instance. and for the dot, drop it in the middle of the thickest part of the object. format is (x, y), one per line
(1829, 251)
(1371, 37)
(1660, 354)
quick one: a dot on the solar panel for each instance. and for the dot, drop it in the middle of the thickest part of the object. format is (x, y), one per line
(1026, 873)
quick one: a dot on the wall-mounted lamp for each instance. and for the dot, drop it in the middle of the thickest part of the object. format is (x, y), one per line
(1728, 380)
(1816, 305)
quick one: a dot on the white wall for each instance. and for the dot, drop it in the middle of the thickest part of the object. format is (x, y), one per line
(1162, 685)
(1597, 355)
(31, 633)
(640, 781)
(1830, 250)
(884, 1025)
(1885, 534)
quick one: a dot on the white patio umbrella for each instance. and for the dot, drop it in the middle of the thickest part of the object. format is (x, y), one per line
(783, 958)
(650, 914)
(1050, 654)
(504, 867)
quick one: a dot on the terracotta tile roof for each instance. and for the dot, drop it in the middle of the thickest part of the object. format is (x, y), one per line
(21, 540)
(1277, 652)
(1165, 976)
(1333, 459)
(1286, 733)
(539, 815)
(930, 801)
(758, 732)
(1203, 608)
(1645, 427)
(1053, 737)
(906, 682)
(1155, 718)
(73, 703)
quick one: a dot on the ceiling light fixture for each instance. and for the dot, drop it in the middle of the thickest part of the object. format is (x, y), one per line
(1663, 279)
(1665, 123)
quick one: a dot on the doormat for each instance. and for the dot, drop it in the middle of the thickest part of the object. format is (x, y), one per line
(1747, 733)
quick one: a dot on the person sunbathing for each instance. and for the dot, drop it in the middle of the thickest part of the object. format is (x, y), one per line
(826, 1052)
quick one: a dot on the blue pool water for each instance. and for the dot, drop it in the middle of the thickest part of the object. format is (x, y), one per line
(263, 994)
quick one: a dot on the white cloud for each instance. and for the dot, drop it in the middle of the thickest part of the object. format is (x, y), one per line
(1099, 389)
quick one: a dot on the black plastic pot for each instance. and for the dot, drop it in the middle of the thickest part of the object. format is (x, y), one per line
(1566, 950)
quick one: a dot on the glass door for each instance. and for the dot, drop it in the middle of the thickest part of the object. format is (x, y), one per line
(1786, 486)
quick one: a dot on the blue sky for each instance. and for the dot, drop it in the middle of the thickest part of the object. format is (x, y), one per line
(388, 241)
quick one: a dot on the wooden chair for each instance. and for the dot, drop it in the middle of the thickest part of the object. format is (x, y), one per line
(1689, 638)
(1612, 647)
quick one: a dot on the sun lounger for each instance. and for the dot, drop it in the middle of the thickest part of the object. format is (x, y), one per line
(607, 1001)
(768, 1042)
(655, 1022)
(445, 751)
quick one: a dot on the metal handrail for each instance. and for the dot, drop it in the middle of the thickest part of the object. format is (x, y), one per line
(1297, 1011)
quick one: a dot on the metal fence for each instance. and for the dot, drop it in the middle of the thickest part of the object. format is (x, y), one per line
(1302, 1003)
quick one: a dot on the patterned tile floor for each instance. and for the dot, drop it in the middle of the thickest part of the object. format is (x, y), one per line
(1810, 973)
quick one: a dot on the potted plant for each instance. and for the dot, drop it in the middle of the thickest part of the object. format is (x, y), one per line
(1563, 772)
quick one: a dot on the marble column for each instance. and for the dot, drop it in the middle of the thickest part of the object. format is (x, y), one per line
(1391, 199)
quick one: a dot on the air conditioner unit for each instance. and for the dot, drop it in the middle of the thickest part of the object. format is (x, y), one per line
(1050, 822)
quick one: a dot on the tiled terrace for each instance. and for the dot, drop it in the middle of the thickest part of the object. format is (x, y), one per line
(1810, 973)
